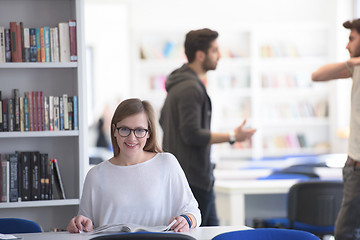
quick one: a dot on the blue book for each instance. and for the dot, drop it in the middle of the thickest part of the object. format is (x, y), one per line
(76, 115)
(26, 113)
(47, 44)
(38, 45)
(33, 48)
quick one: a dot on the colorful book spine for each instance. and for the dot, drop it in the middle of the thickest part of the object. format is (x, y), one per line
(16, 96)
(76, 112)
(13, 177)
(7, 45)
(51, 112)
(56, 114)
(1, 115)
(35, 176)
(26, 52)
(47, 44)
(73, 42)
(66, 112)
(38, 45)
(26, 112)
(25, 183)
(5, 178)
(33, 50)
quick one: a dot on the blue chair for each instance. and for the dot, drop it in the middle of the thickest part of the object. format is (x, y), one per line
(18, 225)
(312, 206)
(267, 234)
(144, 236)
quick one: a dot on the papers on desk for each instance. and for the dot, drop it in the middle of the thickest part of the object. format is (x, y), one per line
(131, 228)
(8, 236)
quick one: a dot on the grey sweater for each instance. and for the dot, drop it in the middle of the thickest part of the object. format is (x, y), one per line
(185, 120)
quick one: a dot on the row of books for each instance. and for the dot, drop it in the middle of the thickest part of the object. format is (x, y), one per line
(41, 44)
(286, 80)
(296, 110)
(278, 50)
(36, 112)
(30, 176)
(288, 141)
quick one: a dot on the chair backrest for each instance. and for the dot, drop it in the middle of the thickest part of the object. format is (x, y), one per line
(18, 225)
(315, 203)
(144, 236)
(267, 234)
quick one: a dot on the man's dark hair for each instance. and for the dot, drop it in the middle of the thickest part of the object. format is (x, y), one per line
(198, 40)
(354, 24)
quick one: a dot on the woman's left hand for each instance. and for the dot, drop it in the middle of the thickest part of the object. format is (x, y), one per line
(181, 225)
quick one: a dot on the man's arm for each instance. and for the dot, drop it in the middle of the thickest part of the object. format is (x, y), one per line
(240, 134)
(332, 71)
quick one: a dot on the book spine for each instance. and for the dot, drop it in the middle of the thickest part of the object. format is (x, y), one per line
(47, 44)
(51, 112)
(56, 45)
(34, 109)
(43, 169)
(64, 42)
(31, 119)
(7, 45)
(13, 46)
(2, 45)
(18, 43)
(35, 177)
(25, 176)
(39, 111)
(11, 114)
(56, 114)
(13, 194)
(76, 112)
(5, 115)
(46, 113)
(1, 115)
(33, 51)
(71, 113)
(5, 177)
(26, 52)
(26, 112)
(16, 109)
(49, 180)
(22, 114)
(66, 112)
(58, 180)
(73, 42)
(38, 45)
(61, 100)
(42, 44)
(21, 26)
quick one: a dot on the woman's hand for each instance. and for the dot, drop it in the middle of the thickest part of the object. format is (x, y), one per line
(80, 224)
(181, 225)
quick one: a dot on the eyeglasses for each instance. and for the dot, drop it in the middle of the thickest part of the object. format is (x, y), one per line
(138, 132)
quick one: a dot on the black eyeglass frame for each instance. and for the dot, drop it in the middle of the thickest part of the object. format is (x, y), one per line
(132, 130)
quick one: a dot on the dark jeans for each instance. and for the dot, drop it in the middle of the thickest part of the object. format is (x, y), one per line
(207, 206)
(347, 224)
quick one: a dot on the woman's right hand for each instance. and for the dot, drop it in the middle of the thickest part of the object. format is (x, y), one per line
(79, 224)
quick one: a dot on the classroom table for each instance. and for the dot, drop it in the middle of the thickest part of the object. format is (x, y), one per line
(201, 233)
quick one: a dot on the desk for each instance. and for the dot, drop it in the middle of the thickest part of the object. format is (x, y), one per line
(238, 198)
(201, 233)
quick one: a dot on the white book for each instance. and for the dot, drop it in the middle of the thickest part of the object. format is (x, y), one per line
(51, 113)
(56, 114)
(2, 45)
(27, 44)
(64, 42)
(132, 228)
(66, 112)
(56, 44)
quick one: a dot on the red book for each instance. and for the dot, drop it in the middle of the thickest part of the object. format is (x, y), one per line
(72, 35)
(18, 43)
(14, 55)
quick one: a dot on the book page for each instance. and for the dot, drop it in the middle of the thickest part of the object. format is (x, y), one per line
(130, 228)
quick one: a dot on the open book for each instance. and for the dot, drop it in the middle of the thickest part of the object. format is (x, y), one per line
(132, 228)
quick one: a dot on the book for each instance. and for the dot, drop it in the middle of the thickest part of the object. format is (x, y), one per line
(4, 178)
(44, 166)
(25, 176)
(2, 45)
(26, 112)
(16, 96)
(76, 113)
(66, 111)
(33, 50)
(46, 113)
(7, 45)
(61, 106)
(11, 114)
(73, 42)
(13, 40)
(42, 45)
(58, 181)
(38, 45)
(13, 177)
(51, 113)
(131, 228)
(64, 42)
(1, 115)
(56, 114)
(5, 115)
(26, 52)
(47, 44)
(35, 176)
(22, 114)
(71, 113)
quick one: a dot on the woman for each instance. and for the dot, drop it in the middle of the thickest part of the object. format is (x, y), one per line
(140, 184)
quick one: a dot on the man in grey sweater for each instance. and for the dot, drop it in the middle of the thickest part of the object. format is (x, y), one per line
(186, 117)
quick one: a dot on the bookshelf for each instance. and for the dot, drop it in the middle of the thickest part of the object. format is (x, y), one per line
(53, 79)
(263, 76)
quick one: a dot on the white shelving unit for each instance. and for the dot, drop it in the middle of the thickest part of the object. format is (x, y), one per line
(69, 147)
(263, 76)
